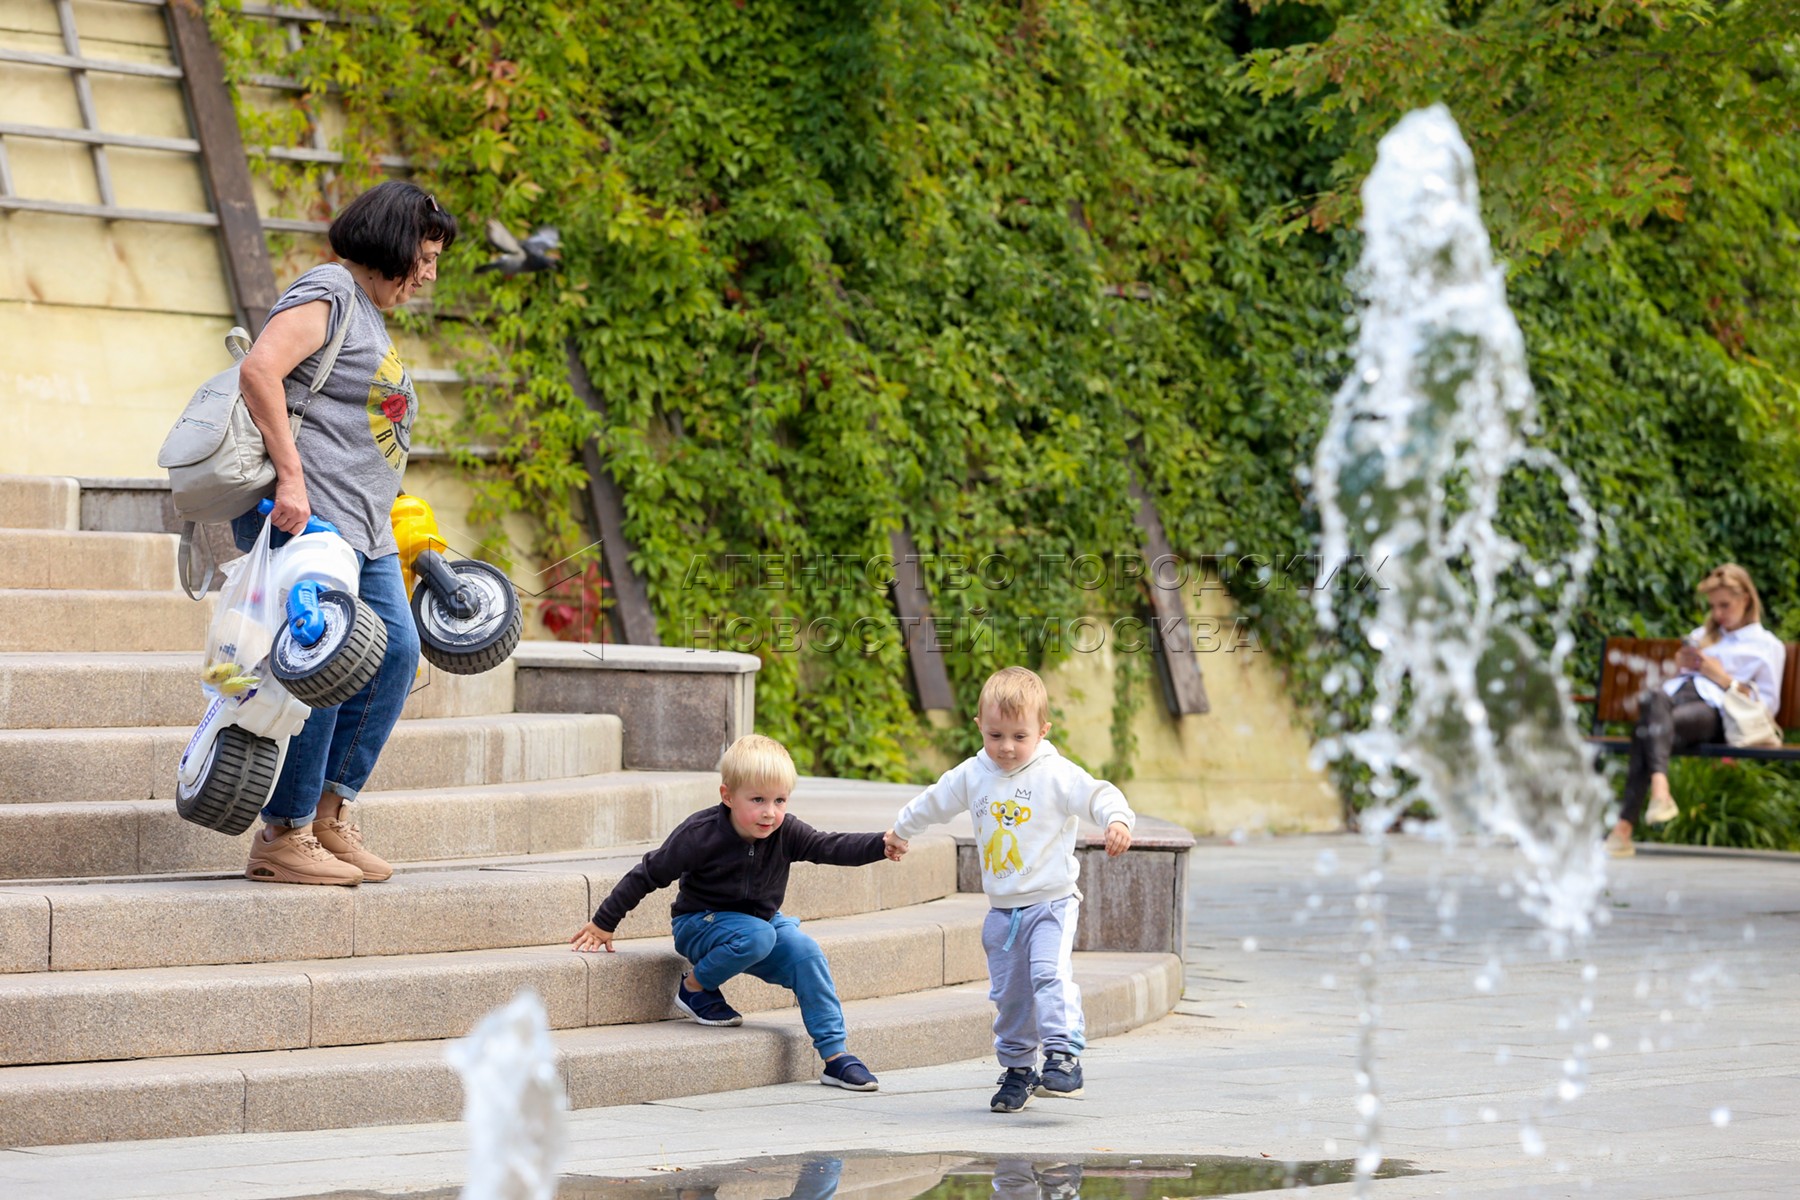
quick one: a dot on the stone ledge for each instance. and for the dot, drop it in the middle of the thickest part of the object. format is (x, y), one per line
(410, 1082)
(681, 708)
(615, 656)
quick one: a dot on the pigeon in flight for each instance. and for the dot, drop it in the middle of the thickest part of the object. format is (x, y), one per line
(539, 252)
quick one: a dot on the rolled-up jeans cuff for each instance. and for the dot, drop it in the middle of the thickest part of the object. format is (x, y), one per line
(343, 789)
(290, 822)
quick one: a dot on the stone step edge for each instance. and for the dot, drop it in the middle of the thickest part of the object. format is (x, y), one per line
(411, 1083)
(46, 1017)
(427, 724)
(628, 851)
(75, 927)
(521, 821)
(76, 664)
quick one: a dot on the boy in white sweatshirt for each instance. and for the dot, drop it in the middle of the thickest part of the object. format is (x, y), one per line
(1027, 802)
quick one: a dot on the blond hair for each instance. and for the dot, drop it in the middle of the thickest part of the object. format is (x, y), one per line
(1015, 692)
(1736, 580)
(754, 759)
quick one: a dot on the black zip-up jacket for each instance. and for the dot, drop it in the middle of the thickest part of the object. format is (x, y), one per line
(722, 872)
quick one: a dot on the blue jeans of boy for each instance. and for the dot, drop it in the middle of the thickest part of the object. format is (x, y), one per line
(723, 944)
(336, 750)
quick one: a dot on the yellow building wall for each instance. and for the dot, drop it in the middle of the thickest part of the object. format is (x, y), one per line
(1241, 766)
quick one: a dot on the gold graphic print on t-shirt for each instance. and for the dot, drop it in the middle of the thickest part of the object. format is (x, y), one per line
(390, 409)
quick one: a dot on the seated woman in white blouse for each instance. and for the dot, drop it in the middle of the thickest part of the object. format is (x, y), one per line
(1731, 650)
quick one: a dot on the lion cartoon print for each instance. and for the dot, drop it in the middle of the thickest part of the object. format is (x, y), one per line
(1000, 857)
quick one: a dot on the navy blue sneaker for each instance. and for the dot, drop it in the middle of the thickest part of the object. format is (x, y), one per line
(1016, 1087)
(1062, 1075)
(847, 1071)
(706, 1006)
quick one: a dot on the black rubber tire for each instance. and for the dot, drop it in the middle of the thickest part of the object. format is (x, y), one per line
(341, 663)
(235, 783)
(480, 643)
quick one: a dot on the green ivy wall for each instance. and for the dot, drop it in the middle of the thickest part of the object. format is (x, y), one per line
(837, 266)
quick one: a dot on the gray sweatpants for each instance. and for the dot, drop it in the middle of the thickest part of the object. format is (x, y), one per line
(1032, 981)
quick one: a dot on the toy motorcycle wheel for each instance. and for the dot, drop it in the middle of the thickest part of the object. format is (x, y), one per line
(344, 659)
(234, 783)
(473, 644)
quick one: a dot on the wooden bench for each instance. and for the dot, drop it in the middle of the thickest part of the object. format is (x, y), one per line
(1624, 665)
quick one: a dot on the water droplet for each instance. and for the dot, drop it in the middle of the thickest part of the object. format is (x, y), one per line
(1602, 1042)
(1590, 973)
(1531, 1141)
(1328, 982)
(1749, 933)
(1368, 1104)
(1568, 1091)
(1665, 1016)
(1372, 375)
(1721, 1116)
(1237, 837)
(1249, 945)
(1488, 1115)
(1484, 983)
(1331, 1145)
(1502, 1055)
(1369, 1161)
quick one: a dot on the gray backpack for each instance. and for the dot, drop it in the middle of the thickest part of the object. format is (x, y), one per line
(217, 463)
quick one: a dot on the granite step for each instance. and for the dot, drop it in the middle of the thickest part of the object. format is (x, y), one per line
(84, 621)
(43, 766)
(56, 558)
(411, 1082)
(123, 690)
(90, 1016)
(39, 502)
(147, 837)
(424, 909)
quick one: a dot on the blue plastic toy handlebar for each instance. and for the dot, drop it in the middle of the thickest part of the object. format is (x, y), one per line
(305, 619)
(313, 524)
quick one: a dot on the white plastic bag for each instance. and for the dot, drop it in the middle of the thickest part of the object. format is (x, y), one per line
(245, 623)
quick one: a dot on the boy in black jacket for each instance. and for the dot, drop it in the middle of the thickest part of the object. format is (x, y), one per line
(732, 862)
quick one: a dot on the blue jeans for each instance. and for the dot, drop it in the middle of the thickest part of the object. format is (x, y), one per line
(337, 748)
(723, 944)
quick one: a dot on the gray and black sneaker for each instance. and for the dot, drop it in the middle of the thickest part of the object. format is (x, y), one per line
(1015, 1091)
(1062, 1075)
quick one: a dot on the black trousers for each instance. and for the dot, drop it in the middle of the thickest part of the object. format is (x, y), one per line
(1665, 722)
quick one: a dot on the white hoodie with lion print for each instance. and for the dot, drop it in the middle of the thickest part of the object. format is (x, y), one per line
(1025, 821)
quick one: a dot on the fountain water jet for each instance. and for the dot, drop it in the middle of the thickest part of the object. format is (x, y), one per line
(1469, 713)
(514, 1103)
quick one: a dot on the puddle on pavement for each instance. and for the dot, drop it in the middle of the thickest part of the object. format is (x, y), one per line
(875, 1176)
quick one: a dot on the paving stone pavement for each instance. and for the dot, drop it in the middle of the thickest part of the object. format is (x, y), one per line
(1688, 1068)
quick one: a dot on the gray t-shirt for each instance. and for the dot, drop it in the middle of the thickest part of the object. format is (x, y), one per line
(358, 429)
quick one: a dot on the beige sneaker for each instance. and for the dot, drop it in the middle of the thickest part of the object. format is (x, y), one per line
(345, 841)
(295, 856)
(1619, 846)
(1662, 810)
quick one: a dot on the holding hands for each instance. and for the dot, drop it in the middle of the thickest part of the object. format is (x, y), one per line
(892, 846)
(591, 937)
(1118, 839)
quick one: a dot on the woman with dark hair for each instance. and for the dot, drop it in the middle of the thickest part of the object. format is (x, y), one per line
(1731, 651)
(343, 462)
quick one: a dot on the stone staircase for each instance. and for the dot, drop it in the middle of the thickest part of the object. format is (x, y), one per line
(147, 990)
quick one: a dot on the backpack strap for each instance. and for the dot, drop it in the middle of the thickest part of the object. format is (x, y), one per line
(188, 563)
(327, 361)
